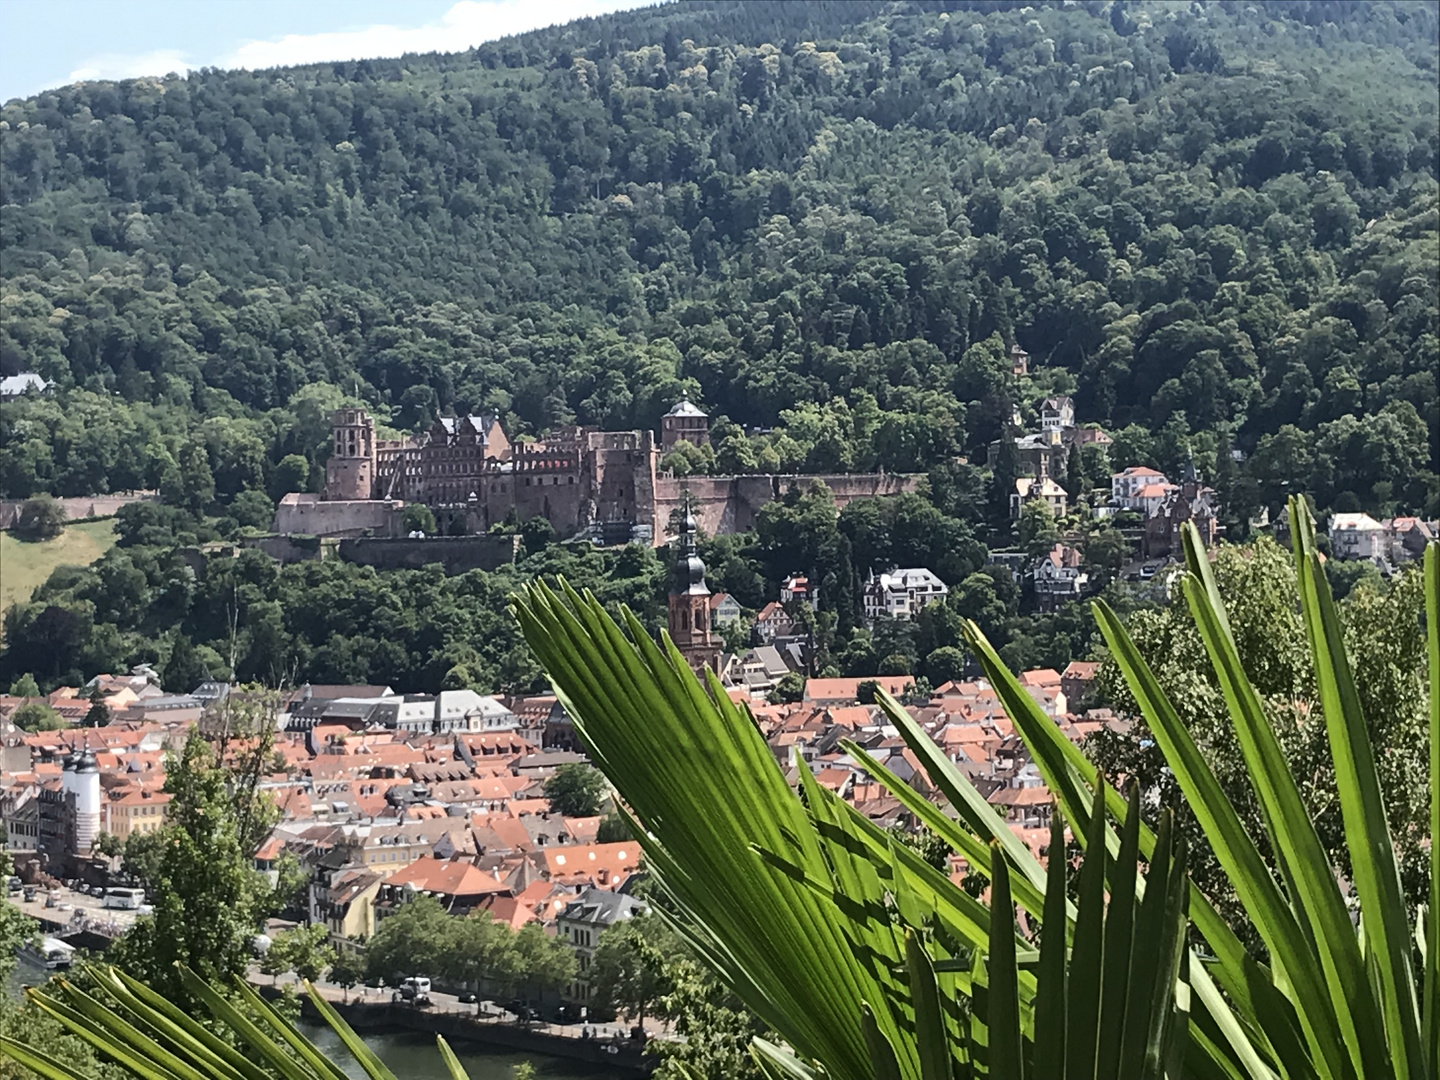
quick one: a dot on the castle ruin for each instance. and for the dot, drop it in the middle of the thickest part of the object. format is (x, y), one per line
(586, 482)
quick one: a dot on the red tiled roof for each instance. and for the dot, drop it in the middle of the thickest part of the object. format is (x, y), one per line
(270, 849)
(448, 877)
(588, 861)
(849, 689)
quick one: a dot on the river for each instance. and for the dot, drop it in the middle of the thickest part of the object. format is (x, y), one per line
(410, 1056)
(414, 1057)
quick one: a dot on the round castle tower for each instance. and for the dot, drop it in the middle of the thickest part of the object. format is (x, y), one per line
(80, 776)
(350, 472)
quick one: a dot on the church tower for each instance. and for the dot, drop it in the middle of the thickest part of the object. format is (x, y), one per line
(689, 607)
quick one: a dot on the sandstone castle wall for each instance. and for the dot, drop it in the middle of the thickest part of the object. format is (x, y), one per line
(730, 504)
(575, 479)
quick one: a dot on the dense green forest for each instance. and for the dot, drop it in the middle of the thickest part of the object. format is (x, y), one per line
(1217, 222)
(156, 598)
(1214, 223)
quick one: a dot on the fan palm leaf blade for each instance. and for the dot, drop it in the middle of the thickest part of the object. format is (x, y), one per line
(1049, 1036)
(452, 1063)
(1087, 959)
(1119, 938)
(169, 1018)
(1003, 1018)
(709, 801)
(368, 1060)
(1386, 927)
(301, 1046)
(1237, 854)
(1431, 992)
(43, 1064)
(1303, 862)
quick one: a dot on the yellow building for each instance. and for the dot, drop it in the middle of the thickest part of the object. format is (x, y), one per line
(134, 812)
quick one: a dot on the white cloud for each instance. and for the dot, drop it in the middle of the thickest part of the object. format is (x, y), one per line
(467, 24)
(133, 66)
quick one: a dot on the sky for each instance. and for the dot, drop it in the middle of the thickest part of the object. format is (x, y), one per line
(49, 43)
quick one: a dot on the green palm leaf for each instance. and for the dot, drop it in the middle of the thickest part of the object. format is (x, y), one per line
(180, 1047)
(1385, 925)
(1431, 994)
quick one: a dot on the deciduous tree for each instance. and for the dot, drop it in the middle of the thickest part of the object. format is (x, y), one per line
(575, 790)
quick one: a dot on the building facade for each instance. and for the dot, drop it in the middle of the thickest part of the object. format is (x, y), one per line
(1358, 536)
(580, 924)
(1059, 577)
(1126, 486)
(1028, 489)
(1191, 501)
(684, 423)
(901, 594)
(599, 485)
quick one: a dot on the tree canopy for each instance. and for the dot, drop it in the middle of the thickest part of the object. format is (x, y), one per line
(828, 223)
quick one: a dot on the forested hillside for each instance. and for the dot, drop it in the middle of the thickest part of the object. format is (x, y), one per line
(1216, 222)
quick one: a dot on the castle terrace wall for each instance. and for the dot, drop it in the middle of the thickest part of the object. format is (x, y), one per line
(80, 507)
(456, 554)
(310, 515)
(730, 504)
(295, 547)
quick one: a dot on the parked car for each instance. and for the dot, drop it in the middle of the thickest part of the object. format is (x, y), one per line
(413, 991)
(467, 998)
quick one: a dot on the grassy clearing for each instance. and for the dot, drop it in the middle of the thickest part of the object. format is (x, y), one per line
(25, 566)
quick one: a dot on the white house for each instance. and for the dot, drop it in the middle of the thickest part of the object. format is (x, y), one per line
(580, 925)
(772, 622)
(1125, 487)
(797, 587)
(1058, 577)
(900, 594)
(1057, 413)
(1358, 536)
(1028, 488)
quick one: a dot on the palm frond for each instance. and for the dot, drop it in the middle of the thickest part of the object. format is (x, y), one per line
(130, 1024)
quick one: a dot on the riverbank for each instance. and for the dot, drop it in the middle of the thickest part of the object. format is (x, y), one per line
(415, 1057)
(619, 1058)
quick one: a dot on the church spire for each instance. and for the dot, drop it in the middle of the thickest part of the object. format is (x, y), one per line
(689, 602)
(689, 571)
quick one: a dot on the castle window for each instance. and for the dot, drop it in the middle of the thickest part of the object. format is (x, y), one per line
(572, 479)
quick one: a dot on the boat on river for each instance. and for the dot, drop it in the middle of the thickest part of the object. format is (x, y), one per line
(49, 953)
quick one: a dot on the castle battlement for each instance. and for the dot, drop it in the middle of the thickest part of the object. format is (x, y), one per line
(578, 478)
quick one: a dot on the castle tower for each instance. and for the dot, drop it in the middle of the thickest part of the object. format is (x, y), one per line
(684, 423)
(80, 776)
(350, 472)
(689, 605)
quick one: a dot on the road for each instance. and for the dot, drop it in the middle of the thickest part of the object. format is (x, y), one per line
(104, 920)
(487, 1011)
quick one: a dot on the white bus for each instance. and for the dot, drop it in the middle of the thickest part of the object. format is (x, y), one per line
(126, 899)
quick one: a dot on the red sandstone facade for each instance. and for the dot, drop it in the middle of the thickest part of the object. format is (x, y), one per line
(578, 478)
